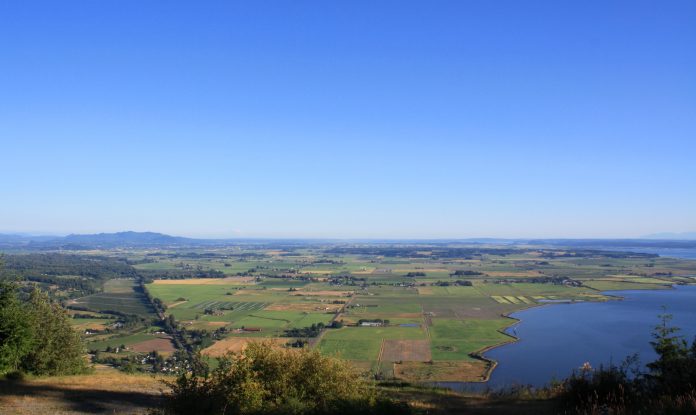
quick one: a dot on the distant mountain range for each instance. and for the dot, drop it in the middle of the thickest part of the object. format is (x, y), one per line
(155, 240)
(100, 240)
(127, 238)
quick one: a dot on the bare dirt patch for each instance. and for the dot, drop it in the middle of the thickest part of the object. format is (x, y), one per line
(237, 344)
(406, 351)
(317, 271)
(450, 371)
(90, 326)
(161, 344)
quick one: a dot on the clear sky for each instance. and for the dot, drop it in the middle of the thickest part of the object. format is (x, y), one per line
(369, 119)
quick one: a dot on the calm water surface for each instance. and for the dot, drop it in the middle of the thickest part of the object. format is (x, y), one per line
(555, 339)
(684, 253)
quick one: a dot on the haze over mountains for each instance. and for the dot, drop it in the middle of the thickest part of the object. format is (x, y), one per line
(154, 239)
(689, 236)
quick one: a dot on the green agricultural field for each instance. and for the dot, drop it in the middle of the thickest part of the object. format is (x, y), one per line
(363, 343)
(456, 339)
(119, 295)
(436, 320)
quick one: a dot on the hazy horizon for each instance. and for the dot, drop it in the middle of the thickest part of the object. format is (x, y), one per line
(662, 235)
(349, 120)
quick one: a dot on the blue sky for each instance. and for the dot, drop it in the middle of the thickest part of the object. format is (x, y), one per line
(351, 119)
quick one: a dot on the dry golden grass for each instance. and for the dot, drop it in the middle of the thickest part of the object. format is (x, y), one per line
(89, 326)
(237, 344)
(161, 344)
(453, 371)
(105, 391)
(406, 350)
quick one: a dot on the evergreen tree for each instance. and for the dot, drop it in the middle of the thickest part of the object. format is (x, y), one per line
(57, 348)
(16, 332)
(669, 371)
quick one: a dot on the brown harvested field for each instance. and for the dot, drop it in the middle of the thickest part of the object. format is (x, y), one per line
(406, 351)
(90, 326)
(425, 290)
(304, 307)
(455, 371)
(208, 281)
(237, 344)
(106, 391)
(160, 344)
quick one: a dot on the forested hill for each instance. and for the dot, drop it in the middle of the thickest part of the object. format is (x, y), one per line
(92, 241)
(126, 239)
(79, 275)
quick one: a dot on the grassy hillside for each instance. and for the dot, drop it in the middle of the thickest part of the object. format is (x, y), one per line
(108, 391)
(105, 391)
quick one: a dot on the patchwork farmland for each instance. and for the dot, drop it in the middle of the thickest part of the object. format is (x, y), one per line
(120, 295)
(415, 314)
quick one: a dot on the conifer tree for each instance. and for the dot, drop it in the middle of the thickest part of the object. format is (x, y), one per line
(16, 332)
(57, 348)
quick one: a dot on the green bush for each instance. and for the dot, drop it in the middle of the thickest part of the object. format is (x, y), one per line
(264, 379)
(36, 336)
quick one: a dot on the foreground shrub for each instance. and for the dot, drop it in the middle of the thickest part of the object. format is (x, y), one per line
(608, 387)
(265, 379)
(36, 336)
(668, 387)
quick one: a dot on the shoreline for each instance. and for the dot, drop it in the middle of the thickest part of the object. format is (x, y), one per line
(479, 354)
